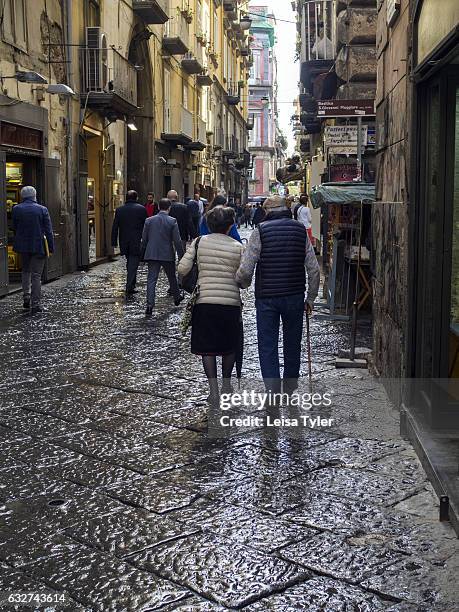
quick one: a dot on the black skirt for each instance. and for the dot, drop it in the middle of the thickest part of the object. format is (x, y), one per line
(215, 329)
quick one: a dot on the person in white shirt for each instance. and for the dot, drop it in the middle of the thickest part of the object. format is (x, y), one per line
(304, 215)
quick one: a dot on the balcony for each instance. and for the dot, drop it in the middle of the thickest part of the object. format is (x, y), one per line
(204, 79)
(233, 97)
(231, 148)
(200, 141)
(176, 35)
(181, 130)
(230, 8)
(151, 11)
(317, 41)
(108, 82)
(192, 64)
(219, 139)
(244, 161)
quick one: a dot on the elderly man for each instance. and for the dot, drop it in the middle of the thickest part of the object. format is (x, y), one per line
(128, 223)
(159, 239)
(182, 214)
(33, 239)
(281, 252)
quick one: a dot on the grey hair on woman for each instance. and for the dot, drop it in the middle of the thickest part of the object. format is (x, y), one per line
(220, 219)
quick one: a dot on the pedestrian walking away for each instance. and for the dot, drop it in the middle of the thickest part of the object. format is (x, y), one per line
(281, 252)
(150, 205)
(216, 314)
(304, 215)
(160, 242)
(128, 224)
(34, 240)
(182, 214)
(259, 215)
(194, 207)
(204, 229)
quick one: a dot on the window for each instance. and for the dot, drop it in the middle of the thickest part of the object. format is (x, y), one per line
(216, 33)
(167, 100)
(15, 23)
(185, 95)
(92, 13)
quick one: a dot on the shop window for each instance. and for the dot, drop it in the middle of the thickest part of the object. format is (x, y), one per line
(14, 24)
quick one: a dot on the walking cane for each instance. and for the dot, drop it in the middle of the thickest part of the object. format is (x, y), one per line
(308, 340)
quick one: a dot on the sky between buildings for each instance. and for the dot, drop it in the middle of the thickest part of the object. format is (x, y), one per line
(288, 69)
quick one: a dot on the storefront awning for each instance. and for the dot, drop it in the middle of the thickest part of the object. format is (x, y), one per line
(342, 193)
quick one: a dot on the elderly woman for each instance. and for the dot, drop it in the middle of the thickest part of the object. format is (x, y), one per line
(217, 312)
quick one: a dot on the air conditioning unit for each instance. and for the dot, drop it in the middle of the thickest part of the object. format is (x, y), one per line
(97, 73)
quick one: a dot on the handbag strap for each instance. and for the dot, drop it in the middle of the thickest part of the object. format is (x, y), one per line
(196, 244)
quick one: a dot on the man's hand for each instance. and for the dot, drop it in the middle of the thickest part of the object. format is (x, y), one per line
(308, 309)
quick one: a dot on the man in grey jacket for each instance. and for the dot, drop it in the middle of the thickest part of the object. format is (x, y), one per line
(160, 236)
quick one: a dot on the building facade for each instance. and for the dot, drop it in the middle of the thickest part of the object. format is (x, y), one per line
(158, 100)
(264, 137)
(416, 231)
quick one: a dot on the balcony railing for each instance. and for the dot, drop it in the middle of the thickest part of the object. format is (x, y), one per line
(107, 76)
(317, 33)
(187, 123)
(176, 37)
(151, 11)
(201, 131)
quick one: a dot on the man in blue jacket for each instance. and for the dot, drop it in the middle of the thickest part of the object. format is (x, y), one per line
(32, 229)
(128, 223)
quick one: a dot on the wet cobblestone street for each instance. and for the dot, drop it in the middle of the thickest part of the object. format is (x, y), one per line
(112, 491)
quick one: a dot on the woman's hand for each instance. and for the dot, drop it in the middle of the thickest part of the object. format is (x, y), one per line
(308, 309)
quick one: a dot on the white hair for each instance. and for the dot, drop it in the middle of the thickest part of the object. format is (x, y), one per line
(28, 193)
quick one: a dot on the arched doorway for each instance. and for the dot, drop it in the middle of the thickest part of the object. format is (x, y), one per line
(141, 142)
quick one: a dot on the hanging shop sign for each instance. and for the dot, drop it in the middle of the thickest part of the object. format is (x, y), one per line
(343, 173)
(346, 108)
(20, 137)
(344, 135)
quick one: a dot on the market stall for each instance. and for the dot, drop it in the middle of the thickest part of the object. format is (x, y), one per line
(346, 234)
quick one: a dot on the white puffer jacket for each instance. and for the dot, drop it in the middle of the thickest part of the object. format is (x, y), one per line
(219, 257)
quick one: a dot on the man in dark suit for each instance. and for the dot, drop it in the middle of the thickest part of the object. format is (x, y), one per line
(32, 232)
(128, 222)
(182, 214)
(159, 239)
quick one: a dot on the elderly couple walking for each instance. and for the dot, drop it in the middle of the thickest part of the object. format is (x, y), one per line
(282, 257)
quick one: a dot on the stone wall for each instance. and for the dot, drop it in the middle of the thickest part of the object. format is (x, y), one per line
(390, 221)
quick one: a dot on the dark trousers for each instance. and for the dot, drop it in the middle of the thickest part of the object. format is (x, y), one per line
(154, 268)
(270, 311)
(32, 270)
(132, 265)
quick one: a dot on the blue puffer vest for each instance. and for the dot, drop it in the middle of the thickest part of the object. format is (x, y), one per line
(280, 269)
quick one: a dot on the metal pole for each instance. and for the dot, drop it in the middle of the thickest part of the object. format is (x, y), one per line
(359, 149)
(355, 305)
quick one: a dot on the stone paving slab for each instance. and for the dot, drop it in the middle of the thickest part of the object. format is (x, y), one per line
(321, 595)
(157, 494)
(229, 574)
(128, 531)
(15, 581)
(237, 523)
(101, 581)
(335, 556)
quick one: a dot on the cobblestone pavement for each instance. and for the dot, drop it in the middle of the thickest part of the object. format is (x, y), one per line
(113, 492)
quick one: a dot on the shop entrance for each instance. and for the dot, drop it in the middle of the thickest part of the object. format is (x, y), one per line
(95, 197)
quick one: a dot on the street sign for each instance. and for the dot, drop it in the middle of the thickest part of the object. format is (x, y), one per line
(346, 108)
(344, 135)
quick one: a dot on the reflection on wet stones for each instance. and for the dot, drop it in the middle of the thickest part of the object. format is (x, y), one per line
(227, 573)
